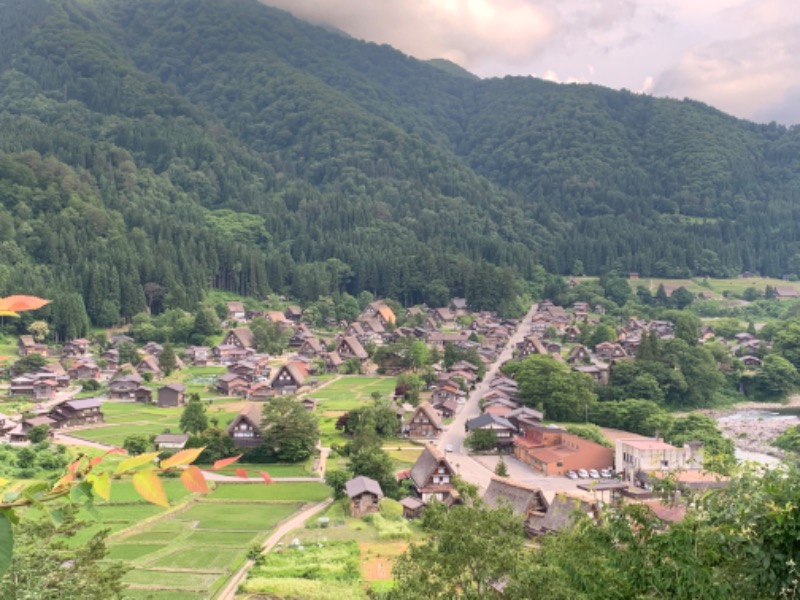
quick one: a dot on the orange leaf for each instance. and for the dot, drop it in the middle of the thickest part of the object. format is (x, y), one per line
(194, 480)
(136, 461)
(95, 461)
(184, 457)
(115, 451)
(149, 486)
(265, 476)
(65, 480)
(225, 462)
(241, 473)
(73, 467)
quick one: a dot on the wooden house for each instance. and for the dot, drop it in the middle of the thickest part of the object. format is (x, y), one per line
(172, 395)
(78, 347)
(524, 499)
(424, 423)
(365, 496)
(171, 441)
(149, 364)
(432, 477)
(240, 337)
(232, 384)
(245, 429)
(236, 311)
(349, 347)
(290, 377)
(76, 413)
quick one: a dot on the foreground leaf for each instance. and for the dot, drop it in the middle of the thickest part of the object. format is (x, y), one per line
(184, 457)
(194, 480)
(225, 462)
(241, 473)
(149, 486)
(6, 543)
(101, 485)
(137, 461)
(265, 476)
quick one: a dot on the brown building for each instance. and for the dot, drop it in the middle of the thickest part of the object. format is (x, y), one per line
(245, 429)
(553, 451)
(365, 496)
(524, 499)
(290, 378)
(424, 423)
(432, 477)
(173, 394)
(76, 413)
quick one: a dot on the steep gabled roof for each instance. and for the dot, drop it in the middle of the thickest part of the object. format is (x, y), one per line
(359, 485)
(430, 458)
(251, 413)
(426, 409)
(487, 419)
(521, 497)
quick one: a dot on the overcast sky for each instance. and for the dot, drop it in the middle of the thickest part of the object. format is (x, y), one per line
(742, 56)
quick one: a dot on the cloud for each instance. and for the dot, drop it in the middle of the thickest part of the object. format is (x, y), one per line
(742, 56)
(473, 33)
(754, 76)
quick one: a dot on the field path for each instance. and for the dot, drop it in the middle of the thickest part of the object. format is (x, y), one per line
(297, 521)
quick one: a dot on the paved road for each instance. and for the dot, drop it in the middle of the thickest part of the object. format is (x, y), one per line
(297, 521)
(466, 466)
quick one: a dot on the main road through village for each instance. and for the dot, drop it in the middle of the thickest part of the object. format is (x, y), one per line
(478, 470)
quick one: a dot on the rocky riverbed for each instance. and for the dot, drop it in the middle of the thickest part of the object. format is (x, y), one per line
(753, 426)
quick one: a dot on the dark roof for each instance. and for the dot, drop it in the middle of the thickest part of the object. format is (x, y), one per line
(561, 514)
(489, 419)
(175, 387)
(411, 503)
(83, 404)
(359, 485)
(429, 459)
(251, 413)
(521, 497)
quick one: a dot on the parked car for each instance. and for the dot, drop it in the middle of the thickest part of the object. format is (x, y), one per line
(594, 474)
(448, 448)
(572, 475)
(606, 473)
(583, 474)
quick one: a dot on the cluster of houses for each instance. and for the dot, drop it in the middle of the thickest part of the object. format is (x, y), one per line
(555, 332)
(65, 415)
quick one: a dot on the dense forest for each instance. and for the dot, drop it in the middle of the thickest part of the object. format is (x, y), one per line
(152, 150)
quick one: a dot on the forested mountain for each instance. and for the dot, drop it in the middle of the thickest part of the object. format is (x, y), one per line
(153, 149)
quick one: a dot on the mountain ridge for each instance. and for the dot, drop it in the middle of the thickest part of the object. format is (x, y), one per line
(354, 166)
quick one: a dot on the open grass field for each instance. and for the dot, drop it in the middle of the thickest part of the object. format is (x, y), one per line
(344, 394)
(128, 418)
(274, 469)
(735, 285)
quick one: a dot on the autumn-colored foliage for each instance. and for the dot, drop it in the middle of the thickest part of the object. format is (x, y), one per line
(86, 480)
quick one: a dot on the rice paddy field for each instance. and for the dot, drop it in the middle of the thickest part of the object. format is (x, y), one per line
(191, 551)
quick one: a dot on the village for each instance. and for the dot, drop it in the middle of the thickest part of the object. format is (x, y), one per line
(456, 404)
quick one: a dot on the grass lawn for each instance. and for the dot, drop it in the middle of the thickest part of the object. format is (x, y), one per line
(133, 551)
(128, 418)
(276, 492)
(124, 492)
(404, 458)
(274, 469)
(344, 394)
(162, 595)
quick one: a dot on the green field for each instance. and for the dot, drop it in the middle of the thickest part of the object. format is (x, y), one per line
(126, 418)
(344, 394)
(277, 492)
(191, 551)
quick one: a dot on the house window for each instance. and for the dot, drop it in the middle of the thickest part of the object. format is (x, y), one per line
(559, 464)
(665, 463)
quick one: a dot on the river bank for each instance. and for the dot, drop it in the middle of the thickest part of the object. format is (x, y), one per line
(754, 425)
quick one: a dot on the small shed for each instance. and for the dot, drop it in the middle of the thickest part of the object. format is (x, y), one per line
(365, 495)
(171, 441)
(412, 507)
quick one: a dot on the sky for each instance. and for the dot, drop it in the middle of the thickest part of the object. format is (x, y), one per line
(742, 56)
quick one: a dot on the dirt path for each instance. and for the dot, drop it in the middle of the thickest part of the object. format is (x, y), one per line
(297, 521)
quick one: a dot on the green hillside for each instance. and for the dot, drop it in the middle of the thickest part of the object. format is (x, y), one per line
(154, 149)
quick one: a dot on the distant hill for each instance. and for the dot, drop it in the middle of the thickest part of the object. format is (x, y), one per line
(152, 150)
(451, 68)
